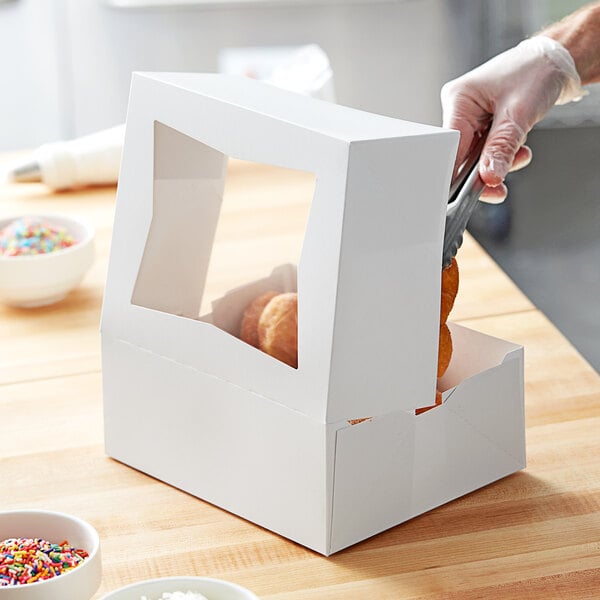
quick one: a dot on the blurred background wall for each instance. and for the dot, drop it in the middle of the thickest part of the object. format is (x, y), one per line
(68, 63)
(66, 67)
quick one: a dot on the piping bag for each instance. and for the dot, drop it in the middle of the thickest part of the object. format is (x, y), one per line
(89, 160)
(95, 159)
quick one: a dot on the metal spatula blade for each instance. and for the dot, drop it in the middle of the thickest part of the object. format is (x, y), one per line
(464, 195)
(459, 213)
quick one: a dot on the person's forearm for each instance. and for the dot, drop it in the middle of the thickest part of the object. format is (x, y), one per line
(579, 33)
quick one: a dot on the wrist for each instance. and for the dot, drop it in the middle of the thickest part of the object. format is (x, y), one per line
(556, 67)
(579, 34)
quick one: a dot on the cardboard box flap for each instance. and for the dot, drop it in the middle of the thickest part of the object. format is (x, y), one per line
(368, 276)
(474, 438)
(474, 352)
(501, 423)
(393, 467)
(332, 120)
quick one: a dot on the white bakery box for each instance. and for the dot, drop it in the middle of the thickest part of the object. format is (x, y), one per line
(189, 403)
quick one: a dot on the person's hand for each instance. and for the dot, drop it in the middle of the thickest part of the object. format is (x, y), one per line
(509, 94)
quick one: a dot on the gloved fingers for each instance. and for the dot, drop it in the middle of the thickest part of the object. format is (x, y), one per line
(467, 138)
(497, 194)
(522, 158)
(463, 112)
(494, 195)
(503, 142)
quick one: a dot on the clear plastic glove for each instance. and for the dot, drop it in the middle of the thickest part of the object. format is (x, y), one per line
(510, 93)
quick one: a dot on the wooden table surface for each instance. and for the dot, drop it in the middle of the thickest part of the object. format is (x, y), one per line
(535, 534)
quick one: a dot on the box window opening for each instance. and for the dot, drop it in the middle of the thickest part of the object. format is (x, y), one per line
(222, 248)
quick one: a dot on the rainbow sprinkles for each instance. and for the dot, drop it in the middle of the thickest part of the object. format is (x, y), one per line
(28, 560)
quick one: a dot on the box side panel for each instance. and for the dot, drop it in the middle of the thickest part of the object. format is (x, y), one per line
(216, 441)
(221, 129)
(387, 313)
(373, 478)
(400, 465)
(477, 436)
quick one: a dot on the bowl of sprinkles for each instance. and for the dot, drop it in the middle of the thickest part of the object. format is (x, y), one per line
(42, 258)
(182, 588)
(47, 555)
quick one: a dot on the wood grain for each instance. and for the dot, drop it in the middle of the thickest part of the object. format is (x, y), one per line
(535, 534)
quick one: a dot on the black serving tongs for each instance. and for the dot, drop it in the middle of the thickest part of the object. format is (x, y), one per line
(464, 195)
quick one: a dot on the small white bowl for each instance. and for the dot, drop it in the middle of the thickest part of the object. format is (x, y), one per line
(41, 279)
(80, 583)
(213, 589)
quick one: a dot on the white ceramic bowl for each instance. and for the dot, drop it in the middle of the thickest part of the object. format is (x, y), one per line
(41, 279)
(213, 589)
(79, 584)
